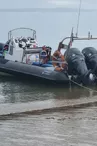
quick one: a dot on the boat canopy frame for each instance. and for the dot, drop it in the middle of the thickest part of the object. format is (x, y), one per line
(33, 32)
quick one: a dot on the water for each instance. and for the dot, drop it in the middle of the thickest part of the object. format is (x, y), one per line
(18, 90)
(72, 127)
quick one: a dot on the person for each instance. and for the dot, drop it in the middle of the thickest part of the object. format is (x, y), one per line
(44, 55)
(58, 58)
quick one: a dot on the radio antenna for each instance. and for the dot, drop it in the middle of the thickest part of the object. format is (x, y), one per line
(78, 18)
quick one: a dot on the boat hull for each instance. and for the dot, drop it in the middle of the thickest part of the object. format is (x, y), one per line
(33, 72)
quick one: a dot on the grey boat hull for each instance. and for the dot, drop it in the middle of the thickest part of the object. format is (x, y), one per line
(35, 72)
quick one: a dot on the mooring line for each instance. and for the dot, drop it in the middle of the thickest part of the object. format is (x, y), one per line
(83, 86)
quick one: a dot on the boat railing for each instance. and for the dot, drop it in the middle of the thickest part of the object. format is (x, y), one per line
(34, 50)
(75, 38)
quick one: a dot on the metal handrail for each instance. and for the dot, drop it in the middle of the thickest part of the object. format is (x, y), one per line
(80, 38)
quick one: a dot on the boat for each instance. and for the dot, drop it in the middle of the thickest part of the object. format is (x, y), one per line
(21, 57)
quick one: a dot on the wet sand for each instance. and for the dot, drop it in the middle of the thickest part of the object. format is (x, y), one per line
(76, 127)
(52, 105)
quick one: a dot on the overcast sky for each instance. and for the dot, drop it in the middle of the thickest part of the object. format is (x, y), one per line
(86, 4)
(50, 24)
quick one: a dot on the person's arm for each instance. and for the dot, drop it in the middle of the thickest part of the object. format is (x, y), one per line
(61, 45)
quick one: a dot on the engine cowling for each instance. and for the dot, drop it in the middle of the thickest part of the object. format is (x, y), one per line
(90, 54)
(77, 66)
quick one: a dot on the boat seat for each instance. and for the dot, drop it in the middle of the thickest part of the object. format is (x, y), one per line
(43, 65)
(50, 68)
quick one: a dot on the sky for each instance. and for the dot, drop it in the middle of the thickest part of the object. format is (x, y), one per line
(52, 19)
(86, 4)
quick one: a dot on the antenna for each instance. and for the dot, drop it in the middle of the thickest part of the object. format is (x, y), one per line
(78, 17)
(71, 38)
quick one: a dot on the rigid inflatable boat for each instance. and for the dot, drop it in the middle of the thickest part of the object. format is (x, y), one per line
(22, 57)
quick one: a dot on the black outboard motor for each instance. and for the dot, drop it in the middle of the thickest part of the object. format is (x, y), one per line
(90, 54)
(77, 66)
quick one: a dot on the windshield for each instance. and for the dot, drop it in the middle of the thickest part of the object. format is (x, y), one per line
(22, 32)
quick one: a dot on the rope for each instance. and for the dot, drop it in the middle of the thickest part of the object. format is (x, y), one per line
(83, 86)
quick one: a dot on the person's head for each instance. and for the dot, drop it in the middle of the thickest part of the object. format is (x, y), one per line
(43, 54)
(44, 48)
(60, 46)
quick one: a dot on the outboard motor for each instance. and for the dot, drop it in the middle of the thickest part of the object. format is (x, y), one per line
(77, 66)
(90, 54)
